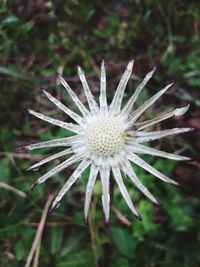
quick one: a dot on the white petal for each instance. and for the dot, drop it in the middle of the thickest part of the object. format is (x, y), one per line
(117, 99)
(181, 111)
(140, 162)
(137, 148)
(128, 170)
(138, 112)
(90, 98)
(65, 125)
(124, 192)
(150, 136)
(128, 107)
(105, 181)
(54, 156)
(68, 111)
(72, 179)
(89, 189)
(74, 97)
(68, 141)
(176, 112)
(103, 97)
(73, 159)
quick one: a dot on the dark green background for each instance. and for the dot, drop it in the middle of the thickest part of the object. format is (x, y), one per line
(39, 38)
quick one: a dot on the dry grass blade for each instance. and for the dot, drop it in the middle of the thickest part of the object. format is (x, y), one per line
(36, 243)
(121, 217)
(13, 189)
(37, 253)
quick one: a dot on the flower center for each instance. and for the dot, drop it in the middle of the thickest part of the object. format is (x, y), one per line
(104, 136)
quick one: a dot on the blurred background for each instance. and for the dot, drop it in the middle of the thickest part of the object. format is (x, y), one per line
(40, 38)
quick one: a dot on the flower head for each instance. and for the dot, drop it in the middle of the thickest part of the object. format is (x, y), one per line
(108, 138)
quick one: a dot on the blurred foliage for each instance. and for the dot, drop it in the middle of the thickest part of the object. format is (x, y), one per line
(39, 38)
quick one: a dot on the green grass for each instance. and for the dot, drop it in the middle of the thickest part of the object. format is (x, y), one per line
(37, 40)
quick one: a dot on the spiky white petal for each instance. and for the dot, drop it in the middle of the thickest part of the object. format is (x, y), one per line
(65, 125)
(90, 98)
(76, 174)
(104, 140)
(138, 112)
(90, 185)
(68, 141)
(128, 108)
(150, 136)
(128, 170)
(144, 165)
(117, 99)
(105, 181)
(102, 97)
(124, 192)
(176, 112)
(52, 157)
(73, 159)
(138, 148)
(76, 100)
(68, 111)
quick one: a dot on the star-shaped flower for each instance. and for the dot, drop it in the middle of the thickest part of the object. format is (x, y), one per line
(108, 138)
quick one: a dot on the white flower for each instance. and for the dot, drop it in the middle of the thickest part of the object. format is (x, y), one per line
(107, 138)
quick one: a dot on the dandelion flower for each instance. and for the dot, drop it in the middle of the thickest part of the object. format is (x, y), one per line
(108, 139)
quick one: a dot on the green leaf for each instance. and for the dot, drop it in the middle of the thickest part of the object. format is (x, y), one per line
(13, 73)
(119, 262)
(78, 259)
(10, 19)
(56, 239)
(123, 241)
(20, 250)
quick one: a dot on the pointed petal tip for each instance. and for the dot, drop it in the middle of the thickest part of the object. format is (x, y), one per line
(29, 168)
(151, 73)
(53, 207)
(138, 217)
(32, 168)
(59, 77)
(179, 186)
(34, 185)
(176, 184)
(193, 129)
(106, 221)
(43, 90)
(21, 149)
(189, 129)
(130, 65)
(188, 159)
(154, 69)
(167, 87)
(181, 111)
(57, 74)
(157, 204)
(86, 220)
(79, 69)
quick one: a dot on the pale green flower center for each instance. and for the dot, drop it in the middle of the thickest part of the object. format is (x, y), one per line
(105, 136)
